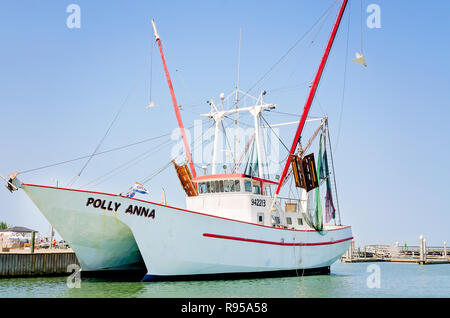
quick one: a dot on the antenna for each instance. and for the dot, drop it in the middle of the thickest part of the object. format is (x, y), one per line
(236, 120)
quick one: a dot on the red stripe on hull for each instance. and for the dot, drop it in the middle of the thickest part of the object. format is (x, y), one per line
(273, 243)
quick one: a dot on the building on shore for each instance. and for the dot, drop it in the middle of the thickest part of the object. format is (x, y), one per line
(16, 237)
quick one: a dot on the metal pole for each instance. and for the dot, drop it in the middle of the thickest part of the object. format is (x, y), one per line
(424, 249)
(51, 240)
(218, 119)
(421, 248)
(256, 112)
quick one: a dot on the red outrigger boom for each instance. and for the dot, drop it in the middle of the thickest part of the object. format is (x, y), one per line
(174, 102)
(312, 93)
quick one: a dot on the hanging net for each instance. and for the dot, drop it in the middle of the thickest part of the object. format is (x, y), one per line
(314, 214)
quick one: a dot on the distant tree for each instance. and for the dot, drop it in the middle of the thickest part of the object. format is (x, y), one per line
(3, 225)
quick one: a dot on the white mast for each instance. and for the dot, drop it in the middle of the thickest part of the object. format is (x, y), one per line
(218, 116)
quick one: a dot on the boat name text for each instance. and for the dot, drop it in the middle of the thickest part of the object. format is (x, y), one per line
(97, 203)
(140, 211)
(114, 206)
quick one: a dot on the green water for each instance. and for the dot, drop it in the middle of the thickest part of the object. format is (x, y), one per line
(346, 280)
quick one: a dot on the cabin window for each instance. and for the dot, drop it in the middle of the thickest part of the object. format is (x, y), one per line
(247, 186)
(217, 185)
(256, 189)
(276, 219)
(213, 187)
(289, 221)
(300, 221)
(226, 186)
(208, 187)
(260, 218)
(202, 187)
(232, 189)
(237, 185)
(221, 185)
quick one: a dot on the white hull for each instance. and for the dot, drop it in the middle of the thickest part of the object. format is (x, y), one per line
(100, 240)
(178, 242)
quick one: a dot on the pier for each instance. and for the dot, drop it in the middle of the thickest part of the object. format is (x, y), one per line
(23, 263)
(420, 254)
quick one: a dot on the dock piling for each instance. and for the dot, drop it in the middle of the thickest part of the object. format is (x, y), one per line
(421, 248)
(32, 242)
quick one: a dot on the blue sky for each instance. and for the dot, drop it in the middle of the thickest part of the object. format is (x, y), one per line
(60, 89)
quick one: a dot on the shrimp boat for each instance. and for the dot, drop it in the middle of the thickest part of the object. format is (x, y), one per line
(235, 223)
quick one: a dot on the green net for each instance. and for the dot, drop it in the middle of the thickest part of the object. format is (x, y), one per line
(313, 215)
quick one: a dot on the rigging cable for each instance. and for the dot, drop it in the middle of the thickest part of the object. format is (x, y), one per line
(344, 82)
(362, 53)
(300, 58)
(133, 162)
(228, 144)
(97, 154)
(148, 178)
(161, 146)
(291, 48)
(130, 164)
(111, 125)
(334, 173)
(275, 133)
(151, 70)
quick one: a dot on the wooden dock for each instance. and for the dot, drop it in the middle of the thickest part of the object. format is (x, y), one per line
(22, 263)
(421, 254)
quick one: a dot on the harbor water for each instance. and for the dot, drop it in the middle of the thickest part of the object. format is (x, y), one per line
(346, 281)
